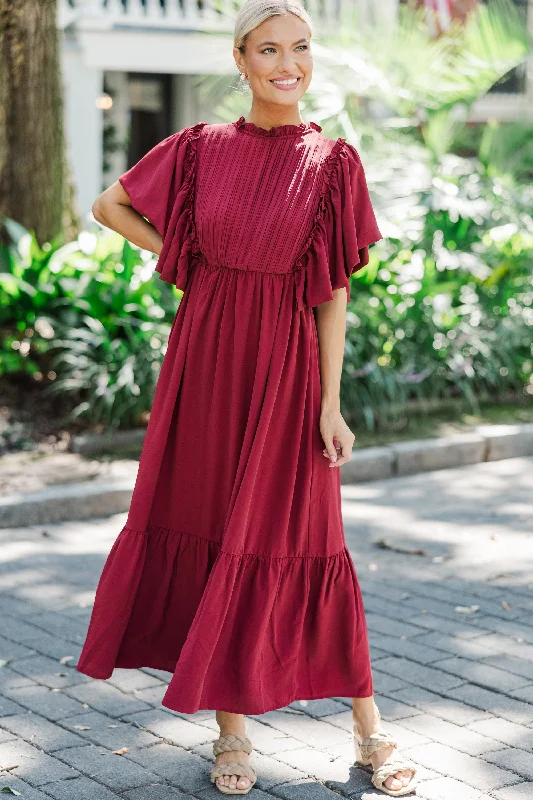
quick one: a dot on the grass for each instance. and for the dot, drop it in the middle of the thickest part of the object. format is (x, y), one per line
(446, 422)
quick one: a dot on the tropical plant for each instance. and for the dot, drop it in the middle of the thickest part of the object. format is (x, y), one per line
(444, 308)
(85, 319)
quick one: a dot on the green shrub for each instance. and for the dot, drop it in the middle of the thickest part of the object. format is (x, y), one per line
(85, 319)
(445, 307)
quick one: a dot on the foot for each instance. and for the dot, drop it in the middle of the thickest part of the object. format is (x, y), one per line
(367, 720)
(400, 778)
(234, 781)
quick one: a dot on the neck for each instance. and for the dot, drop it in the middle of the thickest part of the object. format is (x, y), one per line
(272, 116)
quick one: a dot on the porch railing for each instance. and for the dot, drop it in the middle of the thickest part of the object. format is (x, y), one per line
(186, 14)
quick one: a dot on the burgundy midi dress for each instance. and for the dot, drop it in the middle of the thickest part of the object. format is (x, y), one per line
(232, 570)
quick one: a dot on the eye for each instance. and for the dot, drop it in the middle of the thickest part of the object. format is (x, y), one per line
(304, 46)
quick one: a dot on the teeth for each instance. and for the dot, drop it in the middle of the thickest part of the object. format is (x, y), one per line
(287, 83)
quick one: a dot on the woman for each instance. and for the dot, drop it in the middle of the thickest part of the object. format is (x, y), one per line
(232, 571)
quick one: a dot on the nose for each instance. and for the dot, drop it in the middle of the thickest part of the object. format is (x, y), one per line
(287, 62)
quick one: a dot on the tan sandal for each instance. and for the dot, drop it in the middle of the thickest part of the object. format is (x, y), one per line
(394, 763)
(228, 743)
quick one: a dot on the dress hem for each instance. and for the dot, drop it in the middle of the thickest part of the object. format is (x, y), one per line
(190, 626)
(267, 708)
(231, 709)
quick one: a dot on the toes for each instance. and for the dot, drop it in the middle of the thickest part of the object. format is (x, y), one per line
(233, 782)
(393, 783)
(398, 780)
(405, 776)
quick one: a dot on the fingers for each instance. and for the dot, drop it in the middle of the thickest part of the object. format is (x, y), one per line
(337, 437)
(330, 449)
(339, 451)
(346, 451)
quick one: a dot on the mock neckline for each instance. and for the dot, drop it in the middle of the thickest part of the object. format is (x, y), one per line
(278, 130)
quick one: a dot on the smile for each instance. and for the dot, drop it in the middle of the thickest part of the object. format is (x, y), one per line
(285, 83)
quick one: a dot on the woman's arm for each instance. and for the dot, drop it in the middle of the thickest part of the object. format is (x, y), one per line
(114, 210)
(331, 330)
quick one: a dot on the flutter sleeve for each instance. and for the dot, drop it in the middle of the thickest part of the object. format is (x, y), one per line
(344, 229)
(161, 188)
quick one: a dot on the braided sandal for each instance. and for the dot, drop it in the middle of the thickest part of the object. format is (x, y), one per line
(226, 744)
(393, 764)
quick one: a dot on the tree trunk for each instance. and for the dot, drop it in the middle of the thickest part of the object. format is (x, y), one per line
(33, 178)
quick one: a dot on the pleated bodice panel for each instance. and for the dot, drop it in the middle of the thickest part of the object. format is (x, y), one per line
(256, 198)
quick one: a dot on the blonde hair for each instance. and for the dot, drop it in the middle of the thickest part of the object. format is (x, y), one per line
(253, 12)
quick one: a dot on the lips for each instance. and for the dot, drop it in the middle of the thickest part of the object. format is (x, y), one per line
(285, 86)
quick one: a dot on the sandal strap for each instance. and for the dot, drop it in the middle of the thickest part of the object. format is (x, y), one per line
(376, 741)
(391, 766)
(232, 741)
(233, 768)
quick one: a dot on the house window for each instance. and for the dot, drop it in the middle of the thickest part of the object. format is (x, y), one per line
(150, 105)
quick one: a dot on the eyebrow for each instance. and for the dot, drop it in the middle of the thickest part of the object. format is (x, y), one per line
(261, 44)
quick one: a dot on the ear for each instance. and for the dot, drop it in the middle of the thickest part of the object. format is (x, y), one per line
(237, 55)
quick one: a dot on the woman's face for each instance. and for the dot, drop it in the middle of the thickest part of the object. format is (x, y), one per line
(278, 49)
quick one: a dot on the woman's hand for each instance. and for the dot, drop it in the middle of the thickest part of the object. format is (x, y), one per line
(336, 435)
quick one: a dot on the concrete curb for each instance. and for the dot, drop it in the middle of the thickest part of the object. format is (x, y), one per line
(485, 443)
(100, 498)
(67, 502)
(92, 443)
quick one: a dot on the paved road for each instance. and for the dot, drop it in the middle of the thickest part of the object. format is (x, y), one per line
(451, 633)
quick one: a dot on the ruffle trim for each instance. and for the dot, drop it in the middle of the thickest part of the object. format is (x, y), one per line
(318, 232)
(279, 130)
(180, 246)
(242, 633)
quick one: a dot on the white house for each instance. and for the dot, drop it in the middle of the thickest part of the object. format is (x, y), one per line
(133, 63)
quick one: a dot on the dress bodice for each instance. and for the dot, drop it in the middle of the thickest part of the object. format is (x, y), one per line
(257, 195)
(281, 200)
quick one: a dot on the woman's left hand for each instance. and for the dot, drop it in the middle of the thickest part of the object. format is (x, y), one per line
(337, 437)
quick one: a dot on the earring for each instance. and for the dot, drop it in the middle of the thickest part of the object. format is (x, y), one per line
(243, 76)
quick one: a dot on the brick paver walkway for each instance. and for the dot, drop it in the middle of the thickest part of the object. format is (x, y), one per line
(451, 632)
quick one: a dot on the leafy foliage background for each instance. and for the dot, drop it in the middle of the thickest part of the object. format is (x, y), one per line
(443, 310)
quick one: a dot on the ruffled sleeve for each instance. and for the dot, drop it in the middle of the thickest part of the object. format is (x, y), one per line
(161, 188)
(345, 226)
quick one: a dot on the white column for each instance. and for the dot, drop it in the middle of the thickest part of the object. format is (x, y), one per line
(82, 86)
(118, 116)
(185, 109)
